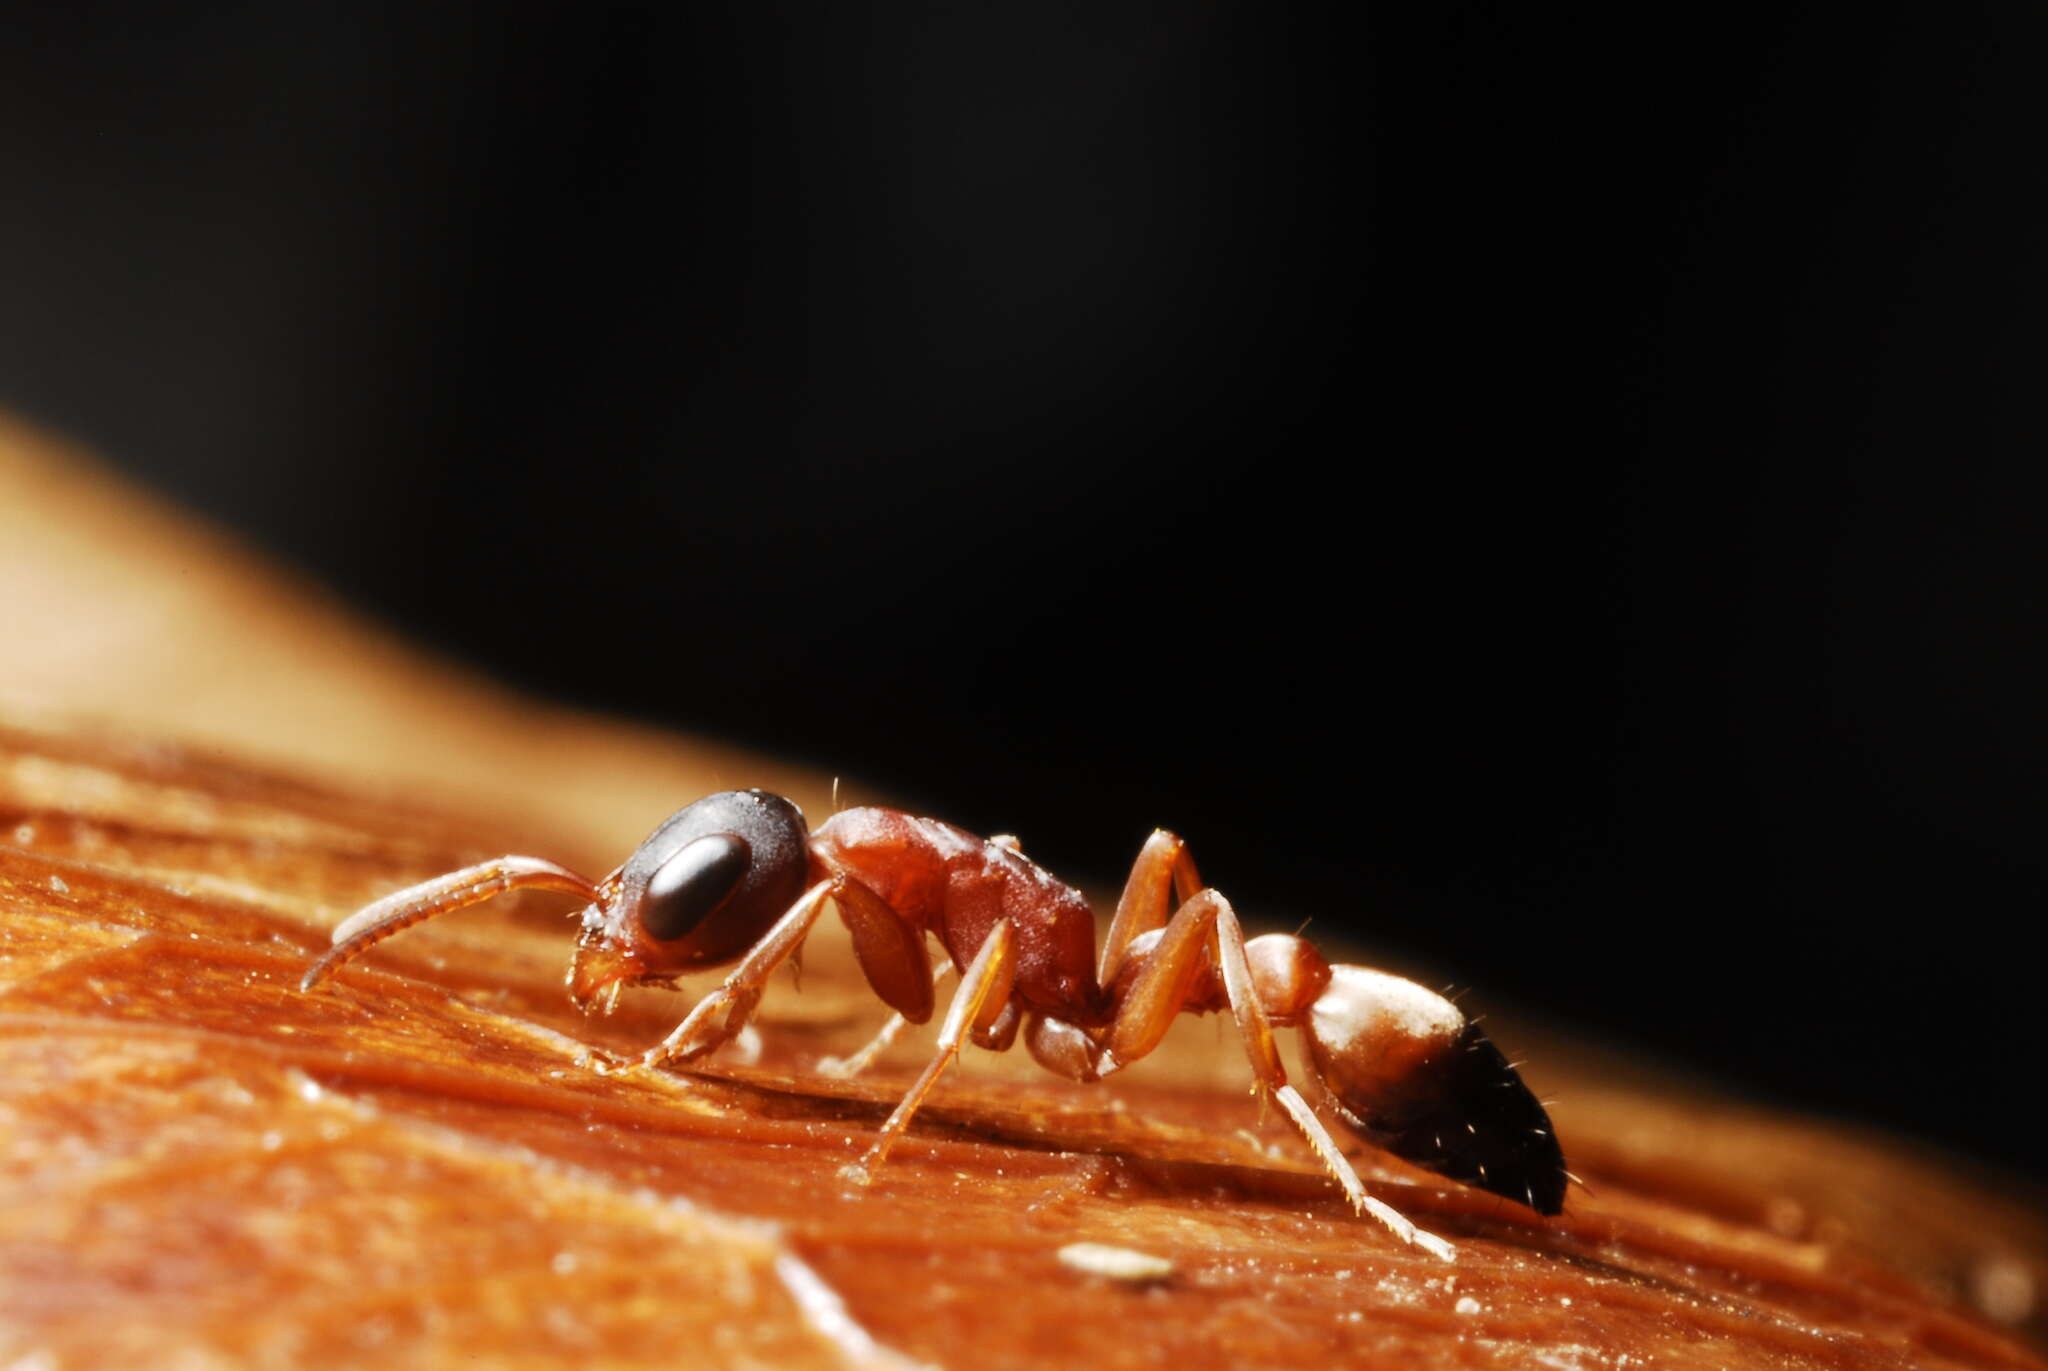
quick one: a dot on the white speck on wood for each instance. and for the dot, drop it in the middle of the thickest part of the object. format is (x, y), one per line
(1115, 1263)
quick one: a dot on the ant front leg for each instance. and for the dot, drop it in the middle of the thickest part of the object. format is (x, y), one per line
(890, 952)
(725, 1011)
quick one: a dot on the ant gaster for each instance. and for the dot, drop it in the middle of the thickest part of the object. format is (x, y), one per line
(737, 876)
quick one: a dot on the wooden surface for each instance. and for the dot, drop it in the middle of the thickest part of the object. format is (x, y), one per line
(200, 1166)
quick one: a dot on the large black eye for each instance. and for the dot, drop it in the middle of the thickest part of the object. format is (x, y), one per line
(685, 889)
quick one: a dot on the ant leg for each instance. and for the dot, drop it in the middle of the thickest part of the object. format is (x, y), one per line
(889, 947)
(1206, 924)
(983, 995)
(724, 1012)
(1163, 867)
(1203, 933)
(891, 955)
(845, 1068)
(1000, 1033)
(401, 909)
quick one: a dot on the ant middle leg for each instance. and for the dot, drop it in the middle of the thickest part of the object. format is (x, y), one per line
(999, 1036)
(980, 1005)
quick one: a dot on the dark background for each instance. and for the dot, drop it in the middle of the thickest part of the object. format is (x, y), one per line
(1556, 496)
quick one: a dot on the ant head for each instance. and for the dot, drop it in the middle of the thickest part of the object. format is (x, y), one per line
(1414, 1076)
(702, 888)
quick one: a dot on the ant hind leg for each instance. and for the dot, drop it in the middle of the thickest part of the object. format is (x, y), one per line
(1163, 869)
(1203, 933)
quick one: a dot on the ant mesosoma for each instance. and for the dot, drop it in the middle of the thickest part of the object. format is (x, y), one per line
(738, 876)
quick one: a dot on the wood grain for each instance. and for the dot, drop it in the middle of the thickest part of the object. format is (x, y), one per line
(200, 1166)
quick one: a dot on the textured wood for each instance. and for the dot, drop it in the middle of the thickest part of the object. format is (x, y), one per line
(200, 1166)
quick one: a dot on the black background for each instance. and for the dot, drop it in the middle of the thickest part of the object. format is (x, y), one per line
(1555, 493)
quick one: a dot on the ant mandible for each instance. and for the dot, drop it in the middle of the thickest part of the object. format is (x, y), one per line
(738, 876)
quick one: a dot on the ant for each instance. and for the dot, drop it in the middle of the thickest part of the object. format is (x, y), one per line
(738, 876)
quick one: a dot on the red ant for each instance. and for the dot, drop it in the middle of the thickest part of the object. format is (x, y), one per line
(737, 876)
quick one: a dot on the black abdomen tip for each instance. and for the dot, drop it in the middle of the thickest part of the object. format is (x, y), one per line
(1484, 1127)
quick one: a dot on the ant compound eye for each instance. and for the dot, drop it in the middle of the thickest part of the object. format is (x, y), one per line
(688, 887)
(704, 886)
